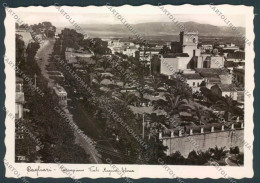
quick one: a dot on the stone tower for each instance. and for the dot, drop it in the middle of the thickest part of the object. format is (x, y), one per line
(189, 43)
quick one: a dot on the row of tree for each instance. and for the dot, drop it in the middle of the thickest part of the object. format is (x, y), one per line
(120, 138)
(204, 158)
(46, 125)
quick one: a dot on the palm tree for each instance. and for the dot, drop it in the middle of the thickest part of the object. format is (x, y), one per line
(156, 83)
(90, 68)
(173, 103)
(199, 110)
(125, 66)
(175, 159)
(218, 153)
(105, 63)
(198, 157)
(129, 98)
(139, 72)
(165, 50)
(228, 104)
(99, 78)
(182, 90)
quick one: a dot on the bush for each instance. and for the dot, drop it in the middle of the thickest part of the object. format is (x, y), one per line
(176, 159)
(234, 150)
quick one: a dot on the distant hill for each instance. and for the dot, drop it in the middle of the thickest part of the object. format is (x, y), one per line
(159, 29)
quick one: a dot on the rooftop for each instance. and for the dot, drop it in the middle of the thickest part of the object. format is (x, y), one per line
(214, 80)
(192, 76)
(231, 48)
(226, 87)
(239, 70)
(175, 55)
(208, 72)
(236, 55)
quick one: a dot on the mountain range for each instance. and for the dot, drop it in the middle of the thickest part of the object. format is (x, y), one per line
(159, 29)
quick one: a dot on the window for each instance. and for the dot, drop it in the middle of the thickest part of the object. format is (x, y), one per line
(198, 84)
(193, 83)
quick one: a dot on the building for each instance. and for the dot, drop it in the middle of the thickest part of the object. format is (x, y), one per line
(223, 90)
(230, 49)
(239, 75)
(206, 48)
(226, 79)
(19, 98)
(214, 76)
(113, 43)
(176, 47)
(230, 45)
(126, 48)
(130, 51)
(194, 80)
(127, 44)
(60, 94)
(182, 53)
(238, 56)
(71, 54)
(217, 61)
(186, 55)
(189, 43)
(208, 61)
(147, 54)
(174, 62)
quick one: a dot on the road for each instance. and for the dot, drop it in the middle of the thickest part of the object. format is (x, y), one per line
(90, 126)
(42, 57)
(79, 139)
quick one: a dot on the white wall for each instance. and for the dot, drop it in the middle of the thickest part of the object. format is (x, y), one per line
(169, 66)
(172, 65)
(196, 81)
(229, 94)
(217, 62)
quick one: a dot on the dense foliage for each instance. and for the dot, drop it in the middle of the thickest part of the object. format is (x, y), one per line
(41, 120)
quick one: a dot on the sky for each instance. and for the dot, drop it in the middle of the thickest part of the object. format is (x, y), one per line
(133, 15)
